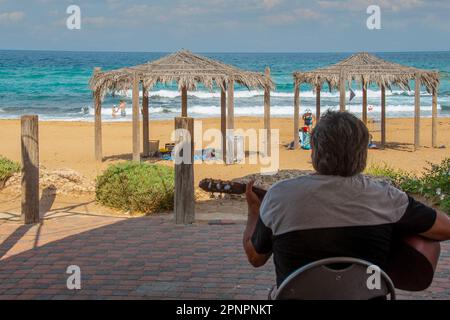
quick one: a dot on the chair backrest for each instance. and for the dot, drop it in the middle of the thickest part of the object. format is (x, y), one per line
(335, 279)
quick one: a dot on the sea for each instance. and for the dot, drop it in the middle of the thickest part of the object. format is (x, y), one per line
(54, 85)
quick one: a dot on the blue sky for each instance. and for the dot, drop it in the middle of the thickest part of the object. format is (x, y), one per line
(226, 25)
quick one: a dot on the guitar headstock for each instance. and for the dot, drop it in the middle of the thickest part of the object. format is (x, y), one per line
(220, 186)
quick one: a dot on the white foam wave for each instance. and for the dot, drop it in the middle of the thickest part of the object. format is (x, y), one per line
(172, 94)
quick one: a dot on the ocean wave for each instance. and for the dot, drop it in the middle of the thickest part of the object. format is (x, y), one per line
(172, 94)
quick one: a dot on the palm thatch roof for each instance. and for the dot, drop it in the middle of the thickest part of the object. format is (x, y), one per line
(370, 69)
(185, 68)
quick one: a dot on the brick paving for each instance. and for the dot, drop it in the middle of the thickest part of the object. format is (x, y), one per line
(142, 258)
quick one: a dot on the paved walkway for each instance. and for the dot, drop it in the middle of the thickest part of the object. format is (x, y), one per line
(141, 258)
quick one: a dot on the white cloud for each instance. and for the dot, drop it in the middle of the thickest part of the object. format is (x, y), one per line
(359, 5)
(269, 4)
(293, 16)
(11, 17)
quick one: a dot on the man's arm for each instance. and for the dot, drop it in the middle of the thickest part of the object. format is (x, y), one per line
(254, 204)
(440, 231)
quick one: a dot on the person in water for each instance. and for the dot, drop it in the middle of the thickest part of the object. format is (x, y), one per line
(123, 108)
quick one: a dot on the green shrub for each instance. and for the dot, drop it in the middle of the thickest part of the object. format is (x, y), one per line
(7, 169)
(136, 187)
(433, 184)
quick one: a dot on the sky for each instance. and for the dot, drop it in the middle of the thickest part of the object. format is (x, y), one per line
(226, 25)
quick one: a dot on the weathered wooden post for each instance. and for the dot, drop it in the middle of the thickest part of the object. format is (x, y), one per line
(296, 115)
(145, 122)
(98, 123)
(230, 122)
(136, 140)
(267, 127)
(30, 169)
(342, 99)
(364, 101)
(223, 121)
(417, 114)
(383, 116)
(434, 123)
(184, 171)
(184, 104)
(318, 88)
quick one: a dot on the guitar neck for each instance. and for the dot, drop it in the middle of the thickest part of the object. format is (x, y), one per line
(229, 187)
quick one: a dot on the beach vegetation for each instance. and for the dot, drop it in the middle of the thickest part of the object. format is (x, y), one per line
(7, 169)
(136, 188)
(433, 184)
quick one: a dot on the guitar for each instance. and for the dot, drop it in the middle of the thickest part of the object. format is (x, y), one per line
(411, 264)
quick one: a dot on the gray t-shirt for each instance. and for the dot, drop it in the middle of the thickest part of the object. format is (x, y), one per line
(315, 217)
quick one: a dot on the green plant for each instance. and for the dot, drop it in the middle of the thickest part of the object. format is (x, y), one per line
(136, 187)
(7, 169)
(433, 184)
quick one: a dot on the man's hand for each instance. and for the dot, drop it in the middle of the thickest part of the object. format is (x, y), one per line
(254, 203)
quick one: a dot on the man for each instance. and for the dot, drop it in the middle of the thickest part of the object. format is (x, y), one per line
(336, 212)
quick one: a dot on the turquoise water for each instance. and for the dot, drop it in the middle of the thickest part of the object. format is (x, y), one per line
(54, 85)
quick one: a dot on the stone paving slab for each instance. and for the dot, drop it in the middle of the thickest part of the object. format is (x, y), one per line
(142, 258)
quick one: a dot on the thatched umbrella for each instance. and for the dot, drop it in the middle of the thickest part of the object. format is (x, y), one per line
(368, 69)
(187, 70)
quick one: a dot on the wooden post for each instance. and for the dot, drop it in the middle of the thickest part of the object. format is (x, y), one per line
(30, 169)
(98, 123)
(230, 122)
(184, 176)
(184, 106)
(296, 115)
(145, 122)
(364, 107)
(434, 123)
(223, 122)
(417, 114)
(318, 88)
(383, 116)
(342, 94)
(136, 140)
(267, 116)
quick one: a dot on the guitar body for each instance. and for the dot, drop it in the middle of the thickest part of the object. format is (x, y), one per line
(411, 264)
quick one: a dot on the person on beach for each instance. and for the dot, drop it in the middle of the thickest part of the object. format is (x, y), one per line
(123, 108)
(337, 211)
(115, 111)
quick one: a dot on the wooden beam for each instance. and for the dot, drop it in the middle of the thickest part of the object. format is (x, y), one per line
(230, 122)
(383, 117)
(268, 142)
(184, 176)
(145, 122)
(318, 88)
(136, 140)
(30, 169)
(342, 94)
(417, 114)
(434, 123)
(98, 123)
(223, 122)
(364, 101)
(184, 104)
(296, 115)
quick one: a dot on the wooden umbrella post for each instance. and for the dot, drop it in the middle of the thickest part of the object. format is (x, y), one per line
(98, 123)
(364, 102)
(296, 115)
(434, 123)
(30, 169)
(383, 116)
(184, 104)
(417, 114)
(223, 121)
(342, 94)
(318, 88)
(145, 122)
(136, 140)
(230, 122)
(268, 142)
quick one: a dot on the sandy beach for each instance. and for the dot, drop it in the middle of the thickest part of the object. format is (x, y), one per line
(70, 145)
